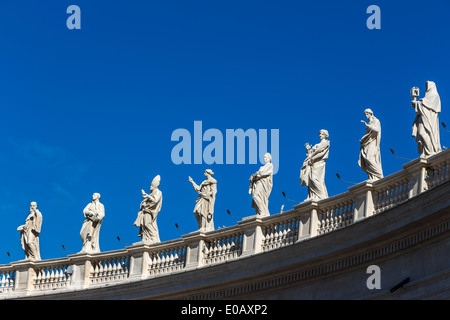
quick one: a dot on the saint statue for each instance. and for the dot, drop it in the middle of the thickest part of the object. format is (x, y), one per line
(94, 213)
(312, 173)
(29, 233)
(426, 124)
(149, 209)
(204, 205)
(261, 183)
(370, 155)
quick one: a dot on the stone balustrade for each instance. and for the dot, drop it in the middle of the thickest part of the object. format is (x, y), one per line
(279, 231)
(166, 259)
(7, 279)
(252, 235)
(224, 245)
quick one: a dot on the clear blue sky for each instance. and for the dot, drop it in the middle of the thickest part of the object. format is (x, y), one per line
(93, 110)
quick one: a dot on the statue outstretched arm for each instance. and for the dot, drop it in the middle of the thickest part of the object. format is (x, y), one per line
(194, 185)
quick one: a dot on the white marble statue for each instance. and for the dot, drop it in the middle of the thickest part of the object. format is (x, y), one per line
(261, 183)
(94, 213)
(29, 233)
(312, 173)
(148, 212)
(204, 205)
(370, 155)
(426, 124)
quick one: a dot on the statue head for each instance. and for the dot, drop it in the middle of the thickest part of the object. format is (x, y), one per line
(33, 205)
(430, 85)
(267, 157)
(432, 99)
(323, 134)
(368, 113)
(208, 172)
(96, 196)
(155, 182)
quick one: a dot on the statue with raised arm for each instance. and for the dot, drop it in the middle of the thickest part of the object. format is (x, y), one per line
(426, 124)
(261, 183)
(312, 173)
(149, 209)
(370, 155)
(204, 205)
(94, 213)
(29, 233)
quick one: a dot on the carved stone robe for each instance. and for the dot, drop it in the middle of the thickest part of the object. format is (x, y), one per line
(312, 173)
(90, 231)
(29, 235)
(426, 124)
(261, 187)
(204, 205)
(370, 155)
(146, 220)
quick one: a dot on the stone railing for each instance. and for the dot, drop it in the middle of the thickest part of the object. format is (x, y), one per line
(7, 279)
(167, 258)
(252, 235)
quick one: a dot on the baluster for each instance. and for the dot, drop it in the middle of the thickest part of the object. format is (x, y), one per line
(223, 246)
(43, 276)
(397, 193)
(58, 275)
(171, 258)
(120, 265)
(64, 275)
(266, 236)
(224, 242)
(233, 246)
(100, 268)
(127, 265)
(38, 276)
(214, 248)
(103, 268)
(345, 214)
(213, 251)
(51, 275)
(152, 263)
(319, 222)
(163, 259)
(324, 220)
(207, 250)
(228, 247)
(9, 280)
(6, 282)
(385, 198)
(271, 235)
(338, 216)
(332, 218)
(327, 220)
(115, 262)
(96, 270)
(108, 267)
(159, 261)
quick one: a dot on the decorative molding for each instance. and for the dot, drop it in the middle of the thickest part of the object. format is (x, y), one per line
(325, 269)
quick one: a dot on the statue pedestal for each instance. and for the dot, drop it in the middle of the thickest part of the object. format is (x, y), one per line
(194, 252)
(251, 242)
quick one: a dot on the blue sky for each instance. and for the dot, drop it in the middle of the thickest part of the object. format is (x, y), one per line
(93, 110)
